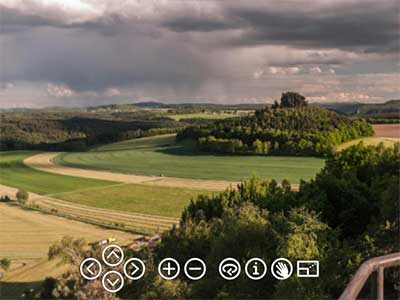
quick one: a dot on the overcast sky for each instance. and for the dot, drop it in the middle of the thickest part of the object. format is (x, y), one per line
(92, 52)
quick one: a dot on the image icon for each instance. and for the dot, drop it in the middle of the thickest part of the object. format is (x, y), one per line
(307, 268)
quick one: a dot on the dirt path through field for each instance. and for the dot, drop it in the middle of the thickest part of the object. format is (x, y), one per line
(44, 162)
(131, 220)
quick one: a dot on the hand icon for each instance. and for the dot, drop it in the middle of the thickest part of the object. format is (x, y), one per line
(282, 270)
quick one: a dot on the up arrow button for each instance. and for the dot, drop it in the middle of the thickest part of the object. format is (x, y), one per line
(113, 255)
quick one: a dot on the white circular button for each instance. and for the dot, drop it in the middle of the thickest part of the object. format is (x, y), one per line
(195, 269)
(112, 255)
(281, 268)
(169, 268)
(134, 268)
(112, 281)
(90, 268)
(229, 268)
(255, 268)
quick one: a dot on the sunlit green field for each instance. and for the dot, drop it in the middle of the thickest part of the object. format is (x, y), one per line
(146, 199)
(154, 200)
(14, 173)
(161, 155)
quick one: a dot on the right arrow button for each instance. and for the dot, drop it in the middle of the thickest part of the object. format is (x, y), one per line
(134, 268)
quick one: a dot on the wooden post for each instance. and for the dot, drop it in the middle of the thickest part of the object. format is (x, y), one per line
(380, 278)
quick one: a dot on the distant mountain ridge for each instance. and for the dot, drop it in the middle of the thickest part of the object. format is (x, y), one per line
(388, 109)
(391, 107)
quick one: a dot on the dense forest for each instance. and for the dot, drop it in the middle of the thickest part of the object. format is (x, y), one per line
(289, 128)
(78, 130)
(347, 214)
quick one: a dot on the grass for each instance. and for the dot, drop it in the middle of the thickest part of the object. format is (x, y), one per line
(373, 141)
(163, 201)
(145, 199)
(14, 173)
(161, 155)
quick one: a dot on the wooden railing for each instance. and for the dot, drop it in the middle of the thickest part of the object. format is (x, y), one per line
(376, 264)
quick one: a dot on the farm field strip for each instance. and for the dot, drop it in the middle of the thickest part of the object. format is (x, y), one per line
(14, 173)
(110, 212)
(146, 201)
(134, 226)
(42, 230)
(387, 130)
(107, 217)
(152, 156)
(85, 190)
(104, 216)
(27, 236)
(45, 162)
(130, 221)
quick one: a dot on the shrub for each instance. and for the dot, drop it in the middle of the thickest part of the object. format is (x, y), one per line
(22, 196)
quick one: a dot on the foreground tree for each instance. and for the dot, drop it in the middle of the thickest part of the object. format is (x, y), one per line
(343, 217)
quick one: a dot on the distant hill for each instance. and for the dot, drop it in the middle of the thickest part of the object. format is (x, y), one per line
(154, 104)
(389, 109)
(307, 130)
(343, 108)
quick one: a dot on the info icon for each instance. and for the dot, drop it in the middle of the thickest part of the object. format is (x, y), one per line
(255, 268)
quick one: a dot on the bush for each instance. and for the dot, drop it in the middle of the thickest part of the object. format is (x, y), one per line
(5, 264)
(22, 196)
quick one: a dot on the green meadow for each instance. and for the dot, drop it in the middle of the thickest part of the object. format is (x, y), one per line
(162, 155)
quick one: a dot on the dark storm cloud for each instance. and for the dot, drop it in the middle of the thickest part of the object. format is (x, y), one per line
(215, 48)
(93, 62)
(362, 26)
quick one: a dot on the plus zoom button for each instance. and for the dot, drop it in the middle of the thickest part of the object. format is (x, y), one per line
(168, 268)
